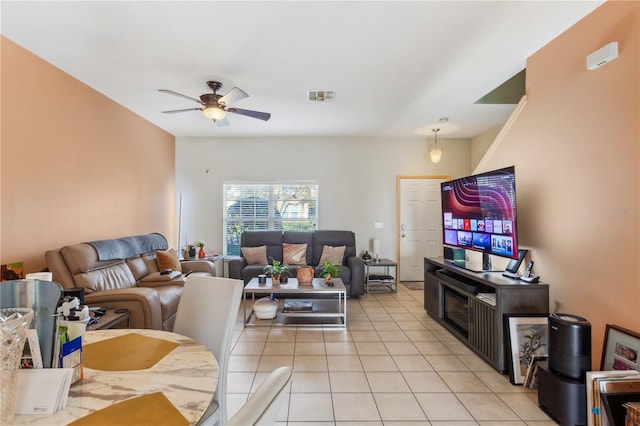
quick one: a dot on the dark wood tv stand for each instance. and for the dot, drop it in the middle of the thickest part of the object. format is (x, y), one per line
(485, 331)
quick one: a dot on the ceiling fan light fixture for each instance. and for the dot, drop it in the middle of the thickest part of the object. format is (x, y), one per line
(215, 107)
(435, 149)
(214, 112)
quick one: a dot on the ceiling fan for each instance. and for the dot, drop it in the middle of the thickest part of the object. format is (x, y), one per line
(216, 106)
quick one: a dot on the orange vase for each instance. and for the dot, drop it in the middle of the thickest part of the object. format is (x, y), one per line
(304, 275)
(201, 253)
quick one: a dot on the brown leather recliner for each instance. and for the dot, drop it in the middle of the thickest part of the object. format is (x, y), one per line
(134, 282)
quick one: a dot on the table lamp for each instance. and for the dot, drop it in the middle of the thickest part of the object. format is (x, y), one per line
(376, 249)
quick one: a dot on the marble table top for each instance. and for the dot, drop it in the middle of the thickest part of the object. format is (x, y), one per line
(187, 376)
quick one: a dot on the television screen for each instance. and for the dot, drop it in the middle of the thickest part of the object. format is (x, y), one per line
(479, 213)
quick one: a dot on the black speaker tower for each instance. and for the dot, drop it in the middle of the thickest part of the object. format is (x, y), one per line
(561, 381)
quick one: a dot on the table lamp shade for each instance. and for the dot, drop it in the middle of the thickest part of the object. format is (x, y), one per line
(376, 246)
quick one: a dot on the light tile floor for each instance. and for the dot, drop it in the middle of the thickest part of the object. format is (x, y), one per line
(393, 365)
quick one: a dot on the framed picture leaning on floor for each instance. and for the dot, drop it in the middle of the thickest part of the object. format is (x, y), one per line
(620, 349)
(528, 336)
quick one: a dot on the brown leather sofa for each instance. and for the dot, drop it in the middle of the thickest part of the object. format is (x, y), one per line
(126, 276)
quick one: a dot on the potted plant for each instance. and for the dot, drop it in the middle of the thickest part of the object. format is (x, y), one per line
(276, 269)
(330, 271)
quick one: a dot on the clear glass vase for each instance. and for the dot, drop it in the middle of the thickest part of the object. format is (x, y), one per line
(14, 323)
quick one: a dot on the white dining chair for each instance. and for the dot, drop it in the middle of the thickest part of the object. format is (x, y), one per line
(263, 406)
(207, 313)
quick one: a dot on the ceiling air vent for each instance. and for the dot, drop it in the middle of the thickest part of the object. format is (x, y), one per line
(320, 95)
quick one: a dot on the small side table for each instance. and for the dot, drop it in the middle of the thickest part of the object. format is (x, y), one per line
(375, 279)
(111, 318)
(216, 259)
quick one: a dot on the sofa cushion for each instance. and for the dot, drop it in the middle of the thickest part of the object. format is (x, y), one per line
(323, 238)
(333, 254)
(150, 260)
(272, 239)
(168, 259)
(138, 267)
(294, 254)
(255, 255)
(109, 278)
(300, 237)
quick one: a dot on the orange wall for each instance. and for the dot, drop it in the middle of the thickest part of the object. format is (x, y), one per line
(576, 151)
(76, 166)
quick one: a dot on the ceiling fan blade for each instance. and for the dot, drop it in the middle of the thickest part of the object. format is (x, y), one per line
(222, 123)
(249, 113)
(171, 92)
(234, 95)
(173, 111)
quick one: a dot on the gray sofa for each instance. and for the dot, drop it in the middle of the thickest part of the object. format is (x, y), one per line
(351, 269)
(125, 275)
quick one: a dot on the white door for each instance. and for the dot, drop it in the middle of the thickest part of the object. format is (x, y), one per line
(420, 225)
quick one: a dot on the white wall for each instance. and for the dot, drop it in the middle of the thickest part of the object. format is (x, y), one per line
(576, 150)
(88, 169)
(480, 144)
(356, 177)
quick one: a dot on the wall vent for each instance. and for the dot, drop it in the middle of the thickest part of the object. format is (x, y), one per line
(320, 95)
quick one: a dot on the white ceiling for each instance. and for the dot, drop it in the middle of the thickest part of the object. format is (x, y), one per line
(396, 66)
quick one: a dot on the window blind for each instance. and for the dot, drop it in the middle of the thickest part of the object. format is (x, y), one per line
(267, 206)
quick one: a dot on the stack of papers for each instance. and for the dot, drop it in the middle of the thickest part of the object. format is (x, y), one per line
(489, 298)
(42, 390)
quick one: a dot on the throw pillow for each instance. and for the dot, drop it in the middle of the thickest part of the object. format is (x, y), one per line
(332, 254)
(294, 254)
(167, 259)
(255, 255)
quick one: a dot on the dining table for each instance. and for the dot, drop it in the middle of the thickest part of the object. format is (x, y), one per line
(177, 371)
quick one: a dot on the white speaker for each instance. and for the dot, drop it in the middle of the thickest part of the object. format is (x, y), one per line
(602, 56)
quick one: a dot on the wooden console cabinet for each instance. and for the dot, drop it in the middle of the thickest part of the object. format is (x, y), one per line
(484, 330)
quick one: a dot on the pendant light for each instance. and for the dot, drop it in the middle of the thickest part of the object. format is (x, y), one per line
(435, 149)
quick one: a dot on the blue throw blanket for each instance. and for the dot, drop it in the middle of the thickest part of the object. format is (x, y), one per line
(123, 248)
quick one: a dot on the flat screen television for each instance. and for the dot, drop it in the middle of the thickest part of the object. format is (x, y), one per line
(479, 213)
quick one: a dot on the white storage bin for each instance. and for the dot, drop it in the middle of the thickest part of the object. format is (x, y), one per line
(265, 308)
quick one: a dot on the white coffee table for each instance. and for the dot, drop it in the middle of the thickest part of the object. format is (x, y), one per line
(328, 304)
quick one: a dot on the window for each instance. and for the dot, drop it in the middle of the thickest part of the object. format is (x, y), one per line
(267, 206)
